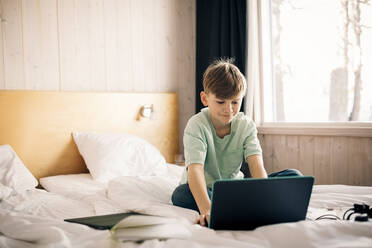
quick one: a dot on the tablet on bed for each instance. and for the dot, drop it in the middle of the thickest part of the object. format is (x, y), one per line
(101, 222)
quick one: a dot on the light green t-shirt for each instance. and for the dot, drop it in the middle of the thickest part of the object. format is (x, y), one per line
(221, 157)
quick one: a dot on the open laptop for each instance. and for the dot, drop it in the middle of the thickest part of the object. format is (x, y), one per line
(244, 204)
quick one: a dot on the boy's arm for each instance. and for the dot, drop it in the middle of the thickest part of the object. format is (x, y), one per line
(198, 189)
(256, 166)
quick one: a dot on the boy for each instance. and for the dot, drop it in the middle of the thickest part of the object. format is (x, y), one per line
(217, 139)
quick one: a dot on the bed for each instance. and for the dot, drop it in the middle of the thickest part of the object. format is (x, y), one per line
(73, 154)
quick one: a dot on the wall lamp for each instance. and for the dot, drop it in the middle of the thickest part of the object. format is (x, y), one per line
(147, 111)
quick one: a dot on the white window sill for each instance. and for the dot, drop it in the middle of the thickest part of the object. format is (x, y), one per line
(355, 129)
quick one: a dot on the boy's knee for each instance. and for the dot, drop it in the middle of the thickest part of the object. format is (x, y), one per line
(176, 195)
(294, 172)
(286, 173)
(182, 197)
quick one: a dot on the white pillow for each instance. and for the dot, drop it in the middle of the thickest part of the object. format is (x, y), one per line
(13, 173)
(111, 155)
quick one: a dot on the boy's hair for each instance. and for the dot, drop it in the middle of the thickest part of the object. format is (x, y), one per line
(223, 79)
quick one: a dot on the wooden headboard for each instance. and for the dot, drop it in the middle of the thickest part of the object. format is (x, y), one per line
(39, 124)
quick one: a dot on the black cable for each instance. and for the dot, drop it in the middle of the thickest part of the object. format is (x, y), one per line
(357, 209)
(328, 217)
(350, 209)
(349, 216)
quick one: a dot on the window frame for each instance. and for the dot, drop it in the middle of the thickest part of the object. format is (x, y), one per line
(345, 129)
(348, 129)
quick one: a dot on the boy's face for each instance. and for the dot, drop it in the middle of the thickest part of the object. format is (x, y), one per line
(222, 111)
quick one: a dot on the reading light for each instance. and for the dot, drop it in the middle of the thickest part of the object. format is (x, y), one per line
(147, 111)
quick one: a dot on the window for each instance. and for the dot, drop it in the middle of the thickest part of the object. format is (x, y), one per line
(317, 60)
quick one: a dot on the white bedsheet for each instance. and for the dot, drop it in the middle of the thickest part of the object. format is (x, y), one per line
(76, 186)
(34, 218)
(44, 204)
(22, 230)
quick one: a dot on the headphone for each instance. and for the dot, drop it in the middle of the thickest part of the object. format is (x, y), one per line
(363, 210)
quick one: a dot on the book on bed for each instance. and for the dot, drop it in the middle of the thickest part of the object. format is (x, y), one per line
(142, 227)
(136, 226)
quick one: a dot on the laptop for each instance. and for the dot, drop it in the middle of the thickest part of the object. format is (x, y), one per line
(244, 204)
(101, 222)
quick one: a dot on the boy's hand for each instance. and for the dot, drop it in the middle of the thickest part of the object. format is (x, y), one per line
(203, 219)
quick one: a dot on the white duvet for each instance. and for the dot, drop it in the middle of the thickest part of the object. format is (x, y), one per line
(34, 218)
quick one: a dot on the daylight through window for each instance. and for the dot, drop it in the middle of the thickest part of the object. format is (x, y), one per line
(317, 59)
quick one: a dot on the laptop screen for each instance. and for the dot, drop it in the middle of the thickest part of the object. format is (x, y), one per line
(244, 204)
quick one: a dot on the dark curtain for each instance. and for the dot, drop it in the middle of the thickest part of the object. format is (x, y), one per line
(220, 33)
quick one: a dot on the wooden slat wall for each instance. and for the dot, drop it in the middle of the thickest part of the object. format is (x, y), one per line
(2, 75)
(144, 46)
(331, 160)
(11, 21)
(100, 45)
(97, 45)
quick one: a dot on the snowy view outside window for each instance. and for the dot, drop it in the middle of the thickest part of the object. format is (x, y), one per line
(320, 60)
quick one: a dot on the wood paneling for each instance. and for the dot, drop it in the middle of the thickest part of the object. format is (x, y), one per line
(280, 153)
(306, 155)
(330, 159)
(293, 151)
(322, 160)
(100, 45)
(357, 157)
(340, 160)
(39, 22)
(149, 45)
(96, 45)
(2, 75)
(266, 145)
(13, 44)
(81, 41)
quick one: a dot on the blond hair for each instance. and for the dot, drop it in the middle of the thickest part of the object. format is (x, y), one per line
(223, 79)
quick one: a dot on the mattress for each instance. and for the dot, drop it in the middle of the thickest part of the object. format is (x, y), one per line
(35, 217)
